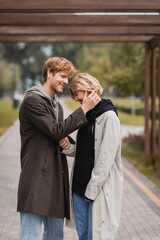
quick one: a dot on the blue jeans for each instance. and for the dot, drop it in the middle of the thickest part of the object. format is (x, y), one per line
(31, 224)
(83, 217)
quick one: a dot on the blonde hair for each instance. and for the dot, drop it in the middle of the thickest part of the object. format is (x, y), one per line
(57, 64)
(85, 82)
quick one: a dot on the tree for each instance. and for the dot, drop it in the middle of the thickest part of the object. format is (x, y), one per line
(118, 66)
(95, 61)
(8, 78)
(29, 57)
(127, 70)
(71, 51)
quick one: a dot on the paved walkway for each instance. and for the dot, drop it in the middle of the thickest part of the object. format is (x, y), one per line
(140, 219)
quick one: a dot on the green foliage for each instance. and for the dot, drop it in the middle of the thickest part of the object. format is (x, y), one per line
(124, 105)
(95, 61)
(126, 102)
(73, 105)
(7, 115)
(29, 57)
(127, 119)
(71, 51)
(118, 66)
(9, 76)
(127, 76)
(133, 151)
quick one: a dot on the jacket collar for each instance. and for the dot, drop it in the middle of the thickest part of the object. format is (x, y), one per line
(99, 119)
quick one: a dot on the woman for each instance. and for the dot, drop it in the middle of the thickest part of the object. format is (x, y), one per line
(97, 174)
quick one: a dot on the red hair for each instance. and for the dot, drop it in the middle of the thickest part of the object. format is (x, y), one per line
(58, 64)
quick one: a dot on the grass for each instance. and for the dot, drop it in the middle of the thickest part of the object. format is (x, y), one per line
(127, 119)
(73, 105)
(7, 115)
(133, 151)
(123, 117)
(127, 102)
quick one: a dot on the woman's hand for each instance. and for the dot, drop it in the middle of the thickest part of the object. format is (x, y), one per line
(64, 143)
(87, 199)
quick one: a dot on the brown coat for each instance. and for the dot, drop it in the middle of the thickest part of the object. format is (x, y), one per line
(43, 185)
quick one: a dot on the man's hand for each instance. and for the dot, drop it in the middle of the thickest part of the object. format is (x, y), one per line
(64, 143)
(90, 101)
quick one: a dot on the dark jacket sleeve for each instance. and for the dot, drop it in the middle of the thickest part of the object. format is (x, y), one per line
(38, 115)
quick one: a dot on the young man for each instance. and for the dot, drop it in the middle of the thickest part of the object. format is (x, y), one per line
(43, 187)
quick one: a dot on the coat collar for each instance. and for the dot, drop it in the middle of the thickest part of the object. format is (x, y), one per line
(99, 119)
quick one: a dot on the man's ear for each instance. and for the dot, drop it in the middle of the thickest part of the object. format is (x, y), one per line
(48, 74)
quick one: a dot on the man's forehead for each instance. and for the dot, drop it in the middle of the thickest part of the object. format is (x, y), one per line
(64, 73)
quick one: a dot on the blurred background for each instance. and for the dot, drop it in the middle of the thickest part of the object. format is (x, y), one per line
(118, 66)
(118, 42)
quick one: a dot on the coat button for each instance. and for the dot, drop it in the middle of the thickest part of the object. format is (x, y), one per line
(62, 171)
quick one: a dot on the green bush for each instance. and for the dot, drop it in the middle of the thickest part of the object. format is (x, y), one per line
(7, 115)
(133, 151)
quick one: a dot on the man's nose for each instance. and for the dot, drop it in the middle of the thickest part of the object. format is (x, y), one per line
(65, 80)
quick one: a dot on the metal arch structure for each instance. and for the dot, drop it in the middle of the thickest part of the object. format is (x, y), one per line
(58, 21)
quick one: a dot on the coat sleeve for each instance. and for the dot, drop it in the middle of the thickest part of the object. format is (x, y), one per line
(70, 152)
(36, 113)
(106, 157)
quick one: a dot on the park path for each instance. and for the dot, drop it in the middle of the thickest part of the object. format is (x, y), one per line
(140, 219)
